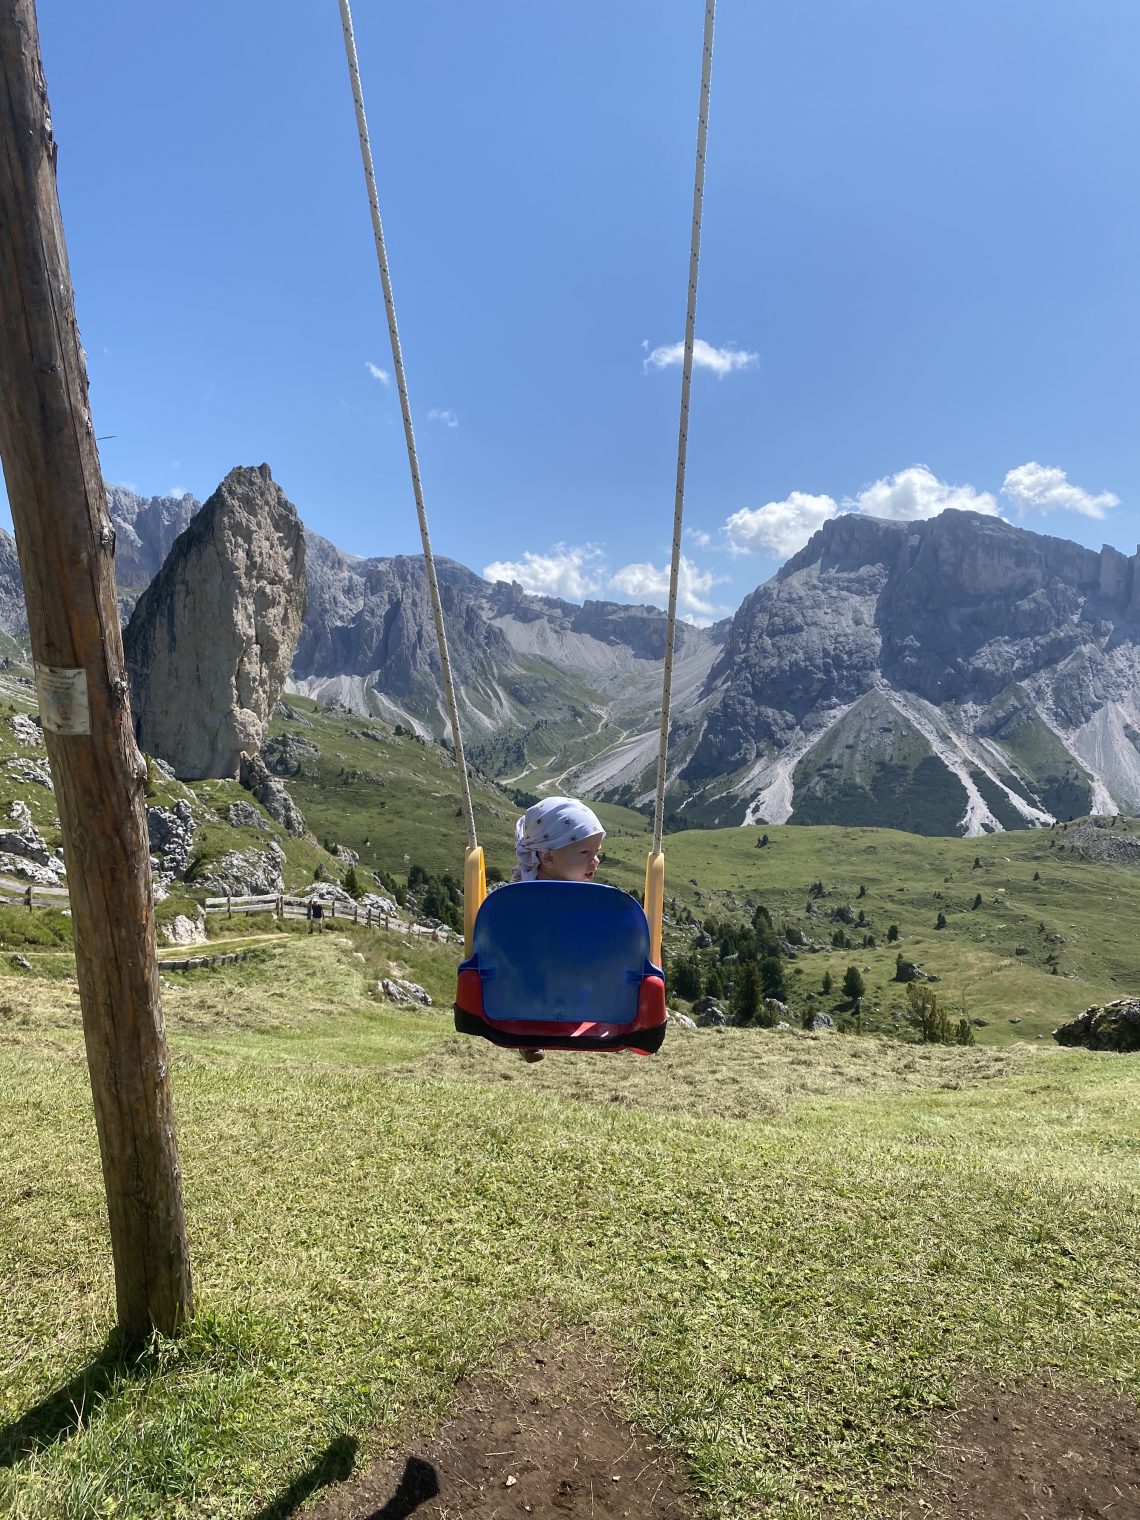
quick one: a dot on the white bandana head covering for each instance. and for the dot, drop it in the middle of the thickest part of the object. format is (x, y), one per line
(549, 825)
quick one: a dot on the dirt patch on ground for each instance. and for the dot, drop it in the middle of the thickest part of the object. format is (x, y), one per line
(540, 1438)
(1034, 1453)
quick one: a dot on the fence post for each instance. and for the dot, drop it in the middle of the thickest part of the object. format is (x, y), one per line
(28, 896)
(280, 905)
(229, 906)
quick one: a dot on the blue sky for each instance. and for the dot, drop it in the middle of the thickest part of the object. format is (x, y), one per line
(920, 282)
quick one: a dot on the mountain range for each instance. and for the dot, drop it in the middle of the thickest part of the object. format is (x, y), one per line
(951, 675)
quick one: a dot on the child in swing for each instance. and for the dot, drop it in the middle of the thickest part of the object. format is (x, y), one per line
(558, 839)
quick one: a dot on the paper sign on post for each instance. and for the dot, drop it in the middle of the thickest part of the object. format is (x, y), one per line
(63, 699)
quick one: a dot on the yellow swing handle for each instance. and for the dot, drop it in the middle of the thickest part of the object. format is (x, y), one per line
(654, 901)
(474, 891)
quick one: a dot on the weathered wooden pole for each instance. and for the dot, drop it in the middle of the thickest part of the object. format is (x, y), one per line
(66, 548)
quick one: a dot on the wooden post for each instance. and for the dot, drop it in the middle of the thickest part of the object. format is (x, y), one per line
(66, 548)
(229, 906)
(28, 897)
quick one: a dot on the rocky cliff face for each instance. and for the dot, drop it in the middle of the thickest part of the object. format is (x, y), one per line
(372, 617)
(1003, 663)
(13, 614)
(145, 530)
(211, 640)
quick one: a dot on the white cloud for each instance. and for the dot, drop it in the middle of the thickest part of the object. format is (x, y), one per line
(699, 537)
(377, 373)
(569, 571)
(448, 418)
(722, 361)
(778, 528)
(1043, 488)
(178, 492)
(648, 583)
(916, 493)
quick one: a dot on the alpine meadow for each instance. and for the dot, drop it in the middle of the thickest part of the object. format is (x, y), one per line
(625, 1005)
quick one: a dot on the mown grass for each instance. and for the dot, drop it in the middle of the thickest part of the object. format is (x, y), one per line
(790, 1267)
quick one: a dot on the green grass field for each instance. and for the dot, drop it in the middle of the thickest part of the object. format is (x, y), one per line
(795, 1245)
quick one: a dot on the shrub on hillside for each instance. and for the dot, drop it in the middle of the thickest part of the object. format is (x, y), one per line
(928, 1014)
(686, 980)
(853, 984)
(745, 1003)
(772, 981)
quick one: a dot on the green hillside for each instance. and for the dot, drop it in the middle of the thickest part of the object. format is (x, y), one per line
(791, 1248)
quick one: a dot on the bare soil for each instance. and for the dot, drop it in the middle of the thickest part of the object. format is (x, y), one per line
(541, 1439)
(1033, 1453)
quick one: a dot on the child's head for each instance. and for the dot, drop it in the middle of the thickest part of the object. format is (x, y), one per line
(557, 839)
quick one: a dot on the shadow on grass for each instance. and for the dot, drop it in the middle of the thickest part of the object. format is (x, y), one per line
(334, 1465)
(62, 1413)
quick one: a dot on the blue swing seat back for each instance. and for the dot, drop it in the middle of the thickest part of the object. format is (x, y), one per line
(561, 952)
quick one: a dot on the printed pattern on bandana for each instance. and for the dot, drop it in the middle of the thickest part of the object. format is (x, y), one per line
(549, 825)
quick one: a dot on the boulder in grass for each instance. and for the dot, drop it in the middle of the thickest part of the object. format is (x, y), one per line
(397, 990)
(1115, 1026)
(709, 1014)
(910, 971)
(818, 1022)
(184, 931)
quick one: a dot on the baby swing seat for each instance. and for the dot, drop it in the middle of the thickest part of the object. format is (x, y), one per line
(562, 965)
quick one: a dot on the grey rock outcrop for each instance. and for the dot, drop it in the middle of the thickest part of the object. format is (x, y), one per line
(184, 931)
(243, 815)
(27, 730)
(286, 754)
(709, 1014)
(272, 794)
(397, 990)
(210, 643)
(32, 770)
(244, 873)
(818, 1023)
(25, 839)
(1115, 1026)
(171, 835)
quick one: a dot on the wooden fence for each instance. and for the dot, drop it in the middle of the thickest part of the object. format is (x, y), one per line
(283, 906)
(29, 895)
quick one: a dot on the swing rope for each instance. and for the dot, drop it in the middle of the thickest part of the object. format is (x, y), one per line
(683, 429)
(406, 410)
(409, 433)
